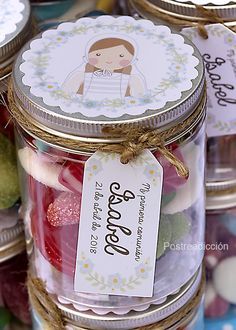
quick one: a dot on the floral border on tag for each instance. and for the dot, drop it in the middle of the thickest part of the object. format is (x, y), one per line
(114, 281)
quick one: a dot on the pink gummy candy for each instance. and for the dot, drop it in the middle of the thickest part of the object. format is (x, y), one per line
(65, 210)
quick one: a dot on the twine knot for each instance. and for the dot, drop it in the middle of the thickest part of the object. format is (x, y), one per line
(210, 16)
(138, 139)
(130, 151)
(132, 140)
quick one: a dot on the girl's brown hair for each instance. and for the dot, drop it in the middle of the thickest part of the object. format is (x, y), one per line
(109, 43)
(112, 42)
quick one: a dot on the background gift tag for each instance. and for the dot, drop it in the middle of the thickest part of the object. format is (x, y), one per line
(219, 55)
(119, 223)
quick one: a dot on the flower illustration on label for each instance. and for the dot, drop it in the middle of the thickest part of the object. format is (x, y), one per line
(230, 39)
(142, 270)
(86, 266)
(116, 281)
(151, 172)
(94, 168)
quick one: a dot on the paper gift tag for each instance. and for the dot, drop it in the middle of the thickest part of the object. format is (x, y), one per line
(119, 222)
(219, 55)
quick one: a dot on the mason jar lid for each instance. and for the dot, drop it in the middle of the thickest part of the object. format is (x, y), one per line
(82, 76)
(14, 29)
(186, 9)
(12, 241)
(152, 315)
(220, 195)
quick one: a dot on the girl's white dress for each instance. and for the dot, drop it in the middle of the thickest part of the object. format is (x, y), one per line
(101, 84)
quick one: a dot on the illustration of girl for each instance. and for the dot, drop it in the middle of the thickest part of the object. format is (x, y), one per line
(109, 71)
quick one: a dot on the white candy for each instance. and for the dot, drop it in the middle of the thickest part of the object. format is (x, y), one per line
(210, 295)
(187, 194)
(211, 261)
(224, 279)
(44, 172)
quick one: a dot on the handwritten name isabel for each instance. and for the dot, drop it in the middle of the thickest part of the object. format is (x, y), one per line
(113, 225)
(220, 88)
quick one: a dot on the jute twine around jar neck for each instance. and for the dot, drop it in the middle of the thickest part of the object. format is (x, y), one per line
(53, 319)
(136, 138)
(221, 192)
(42, 303)
(208, 17)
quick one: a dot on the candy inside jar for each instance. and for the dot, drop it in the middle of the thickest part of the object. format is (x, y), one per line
(15, 23)
(145, 134)
(55, 180)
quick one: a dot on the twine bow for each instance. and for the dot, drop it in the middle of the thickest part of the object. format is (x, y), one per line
(210, 16)
(138, 139)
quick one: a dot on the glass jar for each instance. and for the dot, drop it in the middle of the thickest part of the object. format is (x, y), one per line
(13, 270)
(44, 10)
(182, 10)
(15, 22)
(48, 12)
(220, 257)
(14, 32)
(182, 311)
(220, 149)
(52, 171)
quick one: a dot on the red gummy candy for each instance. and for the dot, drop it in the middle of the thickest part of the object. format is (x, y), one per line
(57, 244)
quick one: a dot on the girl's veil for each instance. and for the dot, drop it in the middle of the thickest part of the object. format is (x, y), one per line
(72, 84)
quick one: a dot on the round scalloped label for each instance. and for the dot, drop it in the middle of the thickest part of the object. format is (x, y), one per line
(109, 67)
(207, 2)
(10, 16)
